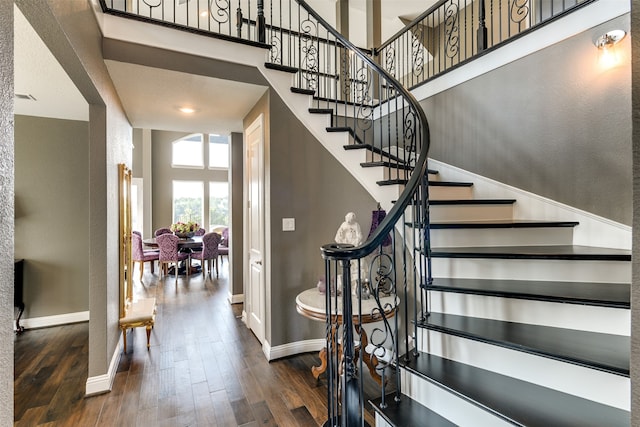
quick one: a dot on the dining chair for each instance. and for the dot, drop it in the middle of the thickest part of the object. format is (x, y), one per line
(209, 252)
(223, 247)
(163, 230)
(200, 232)
(169, 253)
(138, 254)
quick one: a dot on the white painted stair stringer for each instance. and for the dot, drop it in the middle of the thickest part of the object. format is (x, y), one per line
(592, 384)
(470, 237)
(584, 317)
(533, 269)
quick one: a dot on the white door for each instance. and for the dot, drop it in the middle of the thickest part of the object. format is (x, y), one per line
(255, 294)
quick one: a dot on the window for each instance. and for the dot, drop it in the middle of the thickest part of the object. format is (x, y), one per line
(188, 201)
(188, 152)
(218, 204)
(218, 151)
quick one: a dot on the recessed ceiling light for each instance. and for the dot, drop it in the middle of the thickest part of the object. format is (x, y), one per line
(187, 110)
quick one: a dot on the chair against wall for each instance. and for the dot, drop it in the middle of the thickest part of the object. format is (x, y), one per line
(161, 231)
(200, 232)
(209, 252)
(138, 254)
(223, 247)
(169, 253)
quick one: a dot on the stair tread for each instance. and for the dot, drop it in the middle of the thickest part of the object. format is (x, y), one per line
(302, 91)
(604, 352)
(321, 110)
(280, 67)
(616, 295)
(450, 184)
(386, 165)
(515, 223)
(518, 401)
(566, 252)
(408, 412)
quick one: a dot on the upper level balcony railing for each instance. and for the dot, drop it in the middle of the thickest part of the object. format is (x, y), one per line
(453, 32)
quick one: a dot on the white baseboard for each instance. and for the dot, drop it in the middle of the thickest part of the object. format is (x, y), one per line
(235, 299)
(58, 319)
(293, 348)
(103, 383)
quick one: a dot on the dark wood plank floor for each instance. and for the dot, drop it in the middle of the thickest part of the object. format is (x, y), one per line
(204, 368)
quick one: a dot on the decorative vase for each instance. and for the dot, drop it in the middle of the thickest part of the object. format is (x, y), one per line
(184, 235)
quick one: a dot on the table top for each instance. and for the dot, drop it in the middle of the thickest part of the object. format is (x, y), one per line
(312, 304)
(192, 242)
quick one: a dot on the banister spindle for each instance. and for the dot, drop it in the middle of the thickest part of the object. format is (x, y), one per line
(261, 25)
(482, 28)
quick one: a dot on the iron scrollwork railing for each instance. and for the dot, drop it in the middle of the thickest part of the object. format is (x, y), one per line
(374, 289)
(452, 32)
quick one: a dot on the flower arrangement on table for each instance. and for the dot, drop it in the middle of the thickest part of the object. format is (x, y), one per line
(185, 229)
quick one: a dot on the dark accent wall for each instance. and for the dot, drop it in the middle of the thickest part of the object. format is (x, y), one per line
(305, 182)
(236, 230)
(52, 214)
(552, 123)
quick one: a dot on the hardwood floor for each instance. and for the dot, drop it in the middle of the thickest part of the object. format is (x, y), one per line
(204, 368)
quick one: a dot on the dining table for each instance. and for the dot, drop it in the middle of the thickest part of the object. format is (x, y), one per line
(184, 245)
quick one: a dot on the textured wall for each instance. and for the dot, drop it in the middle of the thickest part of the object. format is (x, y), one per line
(552, 123)
(635, 282)
(70, 31)
(6, 212)
(52, 209)
(305, 182)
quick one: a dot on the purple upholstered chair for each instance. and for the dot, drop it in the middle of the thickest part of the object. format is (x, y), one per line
(223, 247)
(163, 230)
(209, 252)
(200, 232)
(168, 244)
(138, 254)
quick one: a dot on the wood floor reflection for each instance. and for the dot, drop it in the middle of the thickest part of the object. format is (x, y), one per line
(204, 368)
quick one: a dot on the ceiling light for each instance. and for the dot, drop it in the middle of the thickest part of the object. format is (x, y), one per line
(607, 51)
(187, 110)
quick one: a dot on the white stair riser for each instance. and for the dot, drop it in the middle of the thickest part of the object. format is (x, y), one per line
(570, 316)
(470, 212)
(448, 405)
(438, 192)
(528, 269)
(501, 237)
(591, 384)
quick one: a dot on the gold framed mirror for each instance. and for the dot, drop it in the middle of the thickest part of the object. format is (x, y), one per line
(126, 263)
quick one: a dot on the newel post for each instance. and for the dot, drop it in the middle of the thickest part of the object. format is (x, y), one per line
(261, 24)
(482, 28)
(350, 387)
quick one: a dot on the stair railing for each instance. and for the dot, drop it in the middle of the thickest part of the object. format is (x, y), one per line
(453, 32)
(392, 266)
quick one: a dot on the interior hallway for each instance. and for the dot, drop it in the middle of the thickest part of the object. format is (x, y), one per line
(204, 368)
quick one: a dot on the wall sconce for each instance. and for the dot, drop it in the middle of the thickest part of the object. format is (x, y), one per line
(606, 44)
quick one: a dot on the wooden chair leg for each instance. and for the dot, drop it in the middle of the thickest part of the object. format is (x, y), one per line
(215, 261)
(124, 338)
(148, 335)
(153, 263)
(141, 269)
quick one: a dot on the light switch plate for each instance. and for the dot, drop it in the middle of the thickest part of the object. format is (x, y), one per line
(288, 224)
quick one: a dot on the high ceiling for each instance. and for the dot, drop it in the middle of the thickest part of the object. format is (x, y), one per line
(151, 96)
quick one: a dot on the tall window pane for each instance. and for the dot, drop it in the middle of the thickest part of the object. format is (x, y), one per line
(188, 201)
(218, 204)
(218, 151)
(188, 152)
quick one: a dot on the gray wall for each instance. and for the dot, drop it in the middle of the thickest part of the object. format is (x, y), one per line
(52, 214)
(551, 123)
(307, 183)
(635, 283)
(236, 204)
(70, 31)
(6, 212)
